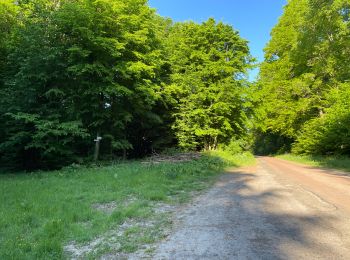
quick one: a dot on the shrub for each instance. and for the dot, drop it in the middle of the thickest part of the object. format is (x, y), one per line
(330, 133)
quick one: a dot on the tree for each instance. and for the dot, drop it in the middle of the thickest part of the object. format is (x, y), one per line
(305, 61)
(8, 23)
(285, 103)
(77, 69)
(74, 70)
(329, 134)
(209, 61)
(40, 130)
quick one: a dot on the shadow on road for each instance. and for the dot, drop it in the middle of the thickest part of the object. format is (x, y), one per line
(249, 214)
(276, 224)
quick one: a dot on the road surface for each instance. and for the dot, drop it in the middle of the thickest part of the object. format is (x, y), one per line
(276, 210)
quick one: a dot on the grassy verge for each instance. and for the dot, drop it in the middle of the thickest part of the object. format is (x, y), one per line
(243, 159)
(340, 163)
(96, 211)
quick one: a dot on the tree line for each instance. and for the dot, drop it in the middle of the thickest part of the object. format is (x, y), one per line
(73, 70)
(303, 92)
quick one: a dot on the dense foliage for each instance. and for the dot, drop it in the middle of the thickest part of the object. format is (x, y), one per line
(208, 61)
(71, 70)
(304, 81)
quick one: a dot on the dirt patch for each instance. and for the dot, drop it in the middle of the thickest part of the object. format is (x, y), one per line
(143, 253)
(177, 158)
(162, 208)
(110, 207)
(126, 241)
(110, 241)
(76, 251)
(107, 208)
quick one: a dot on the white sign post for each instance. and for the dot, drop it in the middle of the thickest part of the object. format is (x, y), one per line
(97, 147)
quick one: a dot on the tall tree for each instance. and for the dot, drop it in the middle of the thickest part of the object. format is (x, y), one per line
(209, 61)
(283, 107)
(77, 69)
(304, 62)
(8, 22)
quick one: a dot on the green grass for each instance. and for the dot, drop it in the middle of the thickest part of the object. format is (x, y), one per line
(340, 163)
(243, 159)
(41, 212)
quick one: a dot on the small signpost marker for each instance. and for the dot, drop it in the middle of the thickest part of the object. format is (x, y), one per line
(97, 147)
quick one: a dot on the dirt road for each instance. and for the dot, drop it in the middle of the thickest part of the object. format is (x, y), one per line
(276, 210)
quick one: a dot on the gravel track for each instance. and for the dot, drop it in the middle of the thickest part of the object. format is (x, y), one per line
(276, 210)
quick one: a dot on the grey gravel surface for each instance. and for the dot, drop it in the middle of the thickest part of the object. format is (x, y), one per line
(259, 213)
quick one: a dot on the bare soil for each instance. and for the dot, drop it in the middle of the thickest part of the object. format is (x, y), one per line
(177, 158)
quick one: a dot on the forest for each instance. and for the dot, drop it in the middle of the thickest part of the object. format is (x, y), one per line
(75, 71)
(304, 90)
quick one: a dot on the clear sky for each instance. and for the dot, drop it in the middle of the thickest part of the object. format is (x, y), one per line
(254, 19)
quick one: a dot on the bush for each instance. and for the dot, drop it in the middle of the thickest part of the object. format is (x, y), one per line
(330, 133)
(236, 146)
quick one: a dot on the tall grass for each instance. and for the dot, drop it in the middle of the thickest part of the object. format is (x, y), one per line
(240, 159)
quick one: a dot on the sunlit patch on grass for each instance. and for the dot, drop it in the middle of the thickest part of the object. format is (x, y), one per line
(336, 162)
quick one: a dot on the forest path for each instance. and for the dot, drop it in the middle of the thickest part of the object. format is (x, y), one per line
(276, 210)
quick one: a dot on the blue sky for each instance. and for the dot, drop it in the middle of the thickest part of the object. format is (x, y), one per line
(254, 19)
